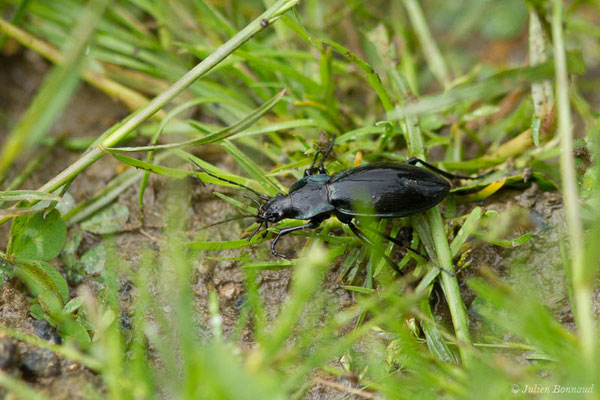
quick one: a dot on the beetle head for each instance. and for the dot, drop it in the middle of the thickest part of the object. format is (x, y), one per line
(275, 209)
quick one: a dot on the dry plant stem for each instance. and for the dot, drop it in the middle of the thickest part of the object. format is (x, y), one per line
(132, 122)
(582, 281)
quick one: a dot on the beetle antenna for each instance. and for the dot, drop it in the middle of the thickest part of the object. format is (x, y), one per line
(261, 196)
(234, 218)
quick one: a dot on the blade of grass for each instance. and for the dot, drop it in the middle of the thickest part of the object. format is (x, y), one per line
(466, 229)
(372, 77)
(458, 310)
(272, 187)
(582, 273)
(224, 245)
(27, 195)
(430, 49)
(222, 134)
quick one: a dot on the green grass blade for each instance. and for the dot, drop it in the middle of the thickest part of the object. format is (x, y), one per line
(222, 134)
(28, 195)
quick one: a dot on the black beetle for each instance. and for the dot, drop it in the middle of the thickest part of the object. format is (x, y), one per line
(384, 189)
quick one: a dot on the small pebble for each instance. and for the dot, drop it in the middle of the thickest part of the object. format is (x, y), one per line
(40, 363)
(46, 331)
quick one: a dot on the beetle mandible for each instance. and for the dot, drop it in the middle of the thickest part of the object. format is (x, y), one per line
(388, 190)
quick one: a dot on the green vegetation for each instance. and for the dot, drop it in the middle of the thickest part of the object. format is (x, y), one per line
(268, 85)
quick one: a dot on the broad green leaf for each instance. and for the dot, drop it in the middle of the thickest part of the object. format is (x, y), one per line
(73, 305)
(70, 327)
(37, 311)
(36, 237)
(41, 277)
(6, 268)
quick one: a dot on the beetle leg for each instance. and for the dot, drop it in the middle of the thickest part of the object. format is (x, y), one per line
(311, 224)
(414, 161)
(362, 237)
(255, 232)
(325, 155)
(264, 235)
(312, 164)
(397, 242)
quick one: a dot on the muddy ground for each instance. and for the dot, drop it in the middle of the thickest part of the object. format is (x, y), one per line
(538, 263)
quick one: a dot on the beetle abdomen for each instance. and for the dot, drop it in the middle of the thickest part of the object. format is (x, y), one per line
(386, 190)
